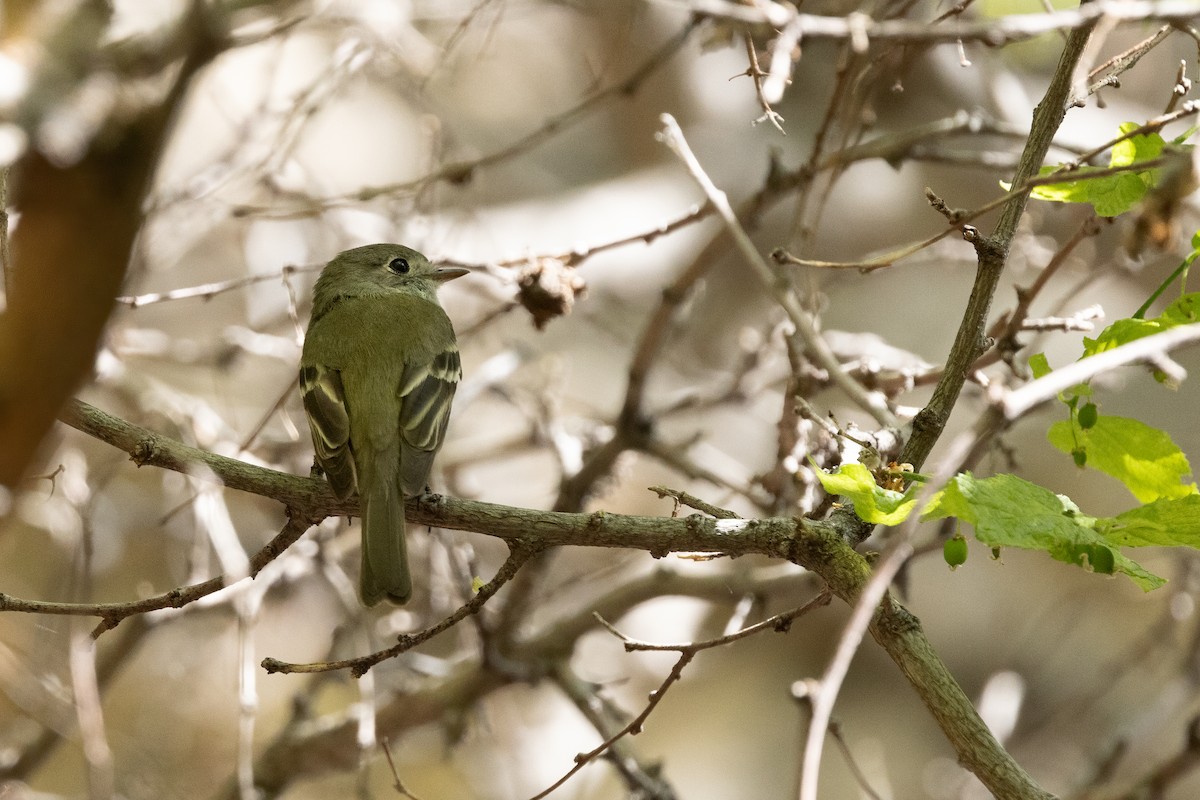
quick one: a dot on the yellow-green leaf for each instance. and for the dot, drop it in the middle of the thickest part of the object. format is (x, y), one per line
(1142, 457)
(872, 502)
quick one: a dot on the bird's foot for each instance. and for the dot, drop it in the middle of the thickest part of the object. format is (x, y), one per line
(431, 501)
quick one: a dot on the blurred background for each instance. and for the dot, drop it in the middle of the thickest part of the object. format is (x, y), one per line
(520, 138)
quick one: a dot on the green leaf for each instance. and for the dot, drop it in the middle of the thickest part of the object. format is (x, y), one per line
(1039, 365)
(1185, 310)
(1143, 458)
(1142, 147)
(1067, 191)
(1116, 194)
(1120, 332)
(1110, 195)
(872, 502)
(1163, 523)
(1007, 511)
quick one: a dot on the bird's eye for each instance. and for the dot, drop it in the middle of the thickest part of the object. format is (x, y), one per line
(398, 265)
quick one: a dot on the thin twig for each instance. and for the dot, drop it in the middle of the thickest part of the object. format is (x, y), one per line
(873, 403)
(830, 684)
(779, 622)
(358, 667)
(89, 714)
(692, 501)
(460, 172)
(863, 30)
(207, 291)
(1122, 62)
(756, 74)
(397, 784)
(835, 730)
(641, 779)
(5, 256)
(634, 726)
(113, 613)
(687, 652)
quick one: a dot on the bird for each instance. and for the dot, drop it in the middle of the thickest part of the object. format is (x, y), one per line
(378, 372)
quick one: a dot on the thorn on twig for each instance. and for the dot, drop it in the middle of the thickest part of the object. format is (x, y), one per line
(683, 498)
(52, 477)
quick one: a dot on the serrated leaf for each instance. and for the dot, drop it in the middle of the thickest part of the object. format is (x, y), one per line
(1163, 523)
(1007, 511)
(1185, 310)
(1142, 457)
(1121, 332)
(1116, 194)
(1110, 195)
(872, 502)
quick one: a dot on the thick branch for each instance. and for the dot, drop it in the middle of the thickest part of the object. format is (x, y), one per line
(312, 499)
(59, 300)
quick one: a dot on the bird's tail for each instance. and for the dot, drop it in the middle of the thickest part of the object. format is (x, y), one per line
(384, 551)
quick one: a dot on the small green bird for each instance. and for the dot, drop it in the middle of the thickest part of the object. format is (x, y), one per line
(378, 373)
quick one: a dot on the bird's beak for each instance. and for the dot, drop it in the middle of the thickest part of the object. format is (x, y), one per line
(443, 274)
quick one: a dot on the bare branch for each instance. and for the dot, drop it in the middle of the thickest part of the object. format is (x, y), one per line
(460, 172)
(358, 667)
(871, 402)
(861, 29)
(687, 652)
(113, 613)
(992, 254)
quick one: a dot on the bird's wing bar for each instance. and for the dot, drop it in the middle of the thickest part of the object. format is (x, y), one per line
(426, 391)
(325, 402)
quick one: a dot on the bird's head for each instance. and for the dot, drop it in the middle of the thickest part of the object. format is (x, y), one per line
(379, 269)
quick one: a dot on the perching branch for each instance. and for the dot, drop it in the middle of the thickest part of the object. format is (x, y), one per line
(819, 545)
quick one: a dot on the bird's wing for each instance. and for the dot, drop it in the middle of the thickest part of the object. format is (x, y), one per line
(325, 402)
(426, 391)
